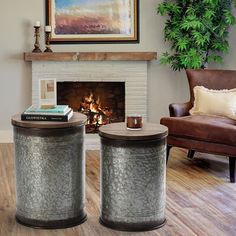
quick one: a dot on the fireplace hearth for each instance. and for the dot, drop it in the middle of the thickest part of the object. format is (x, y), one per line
(101, 102)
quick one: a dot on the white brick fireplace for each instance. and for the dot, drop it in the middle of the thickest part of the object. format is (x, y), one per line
(130, 68)
(134, 74)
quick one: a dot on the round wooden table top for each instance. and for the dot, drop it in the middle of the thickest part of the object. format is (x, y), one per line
(76, 119)
(119, 131)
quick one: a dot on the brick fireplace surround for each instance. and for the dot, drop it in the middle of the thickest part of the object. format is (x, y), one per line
(130, 68)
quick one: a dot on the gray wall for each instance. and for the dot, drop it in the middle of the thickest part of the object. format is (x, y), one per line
(16, 24)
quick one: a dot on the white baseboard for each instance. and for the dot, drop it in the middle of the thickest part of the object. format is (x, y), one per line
(92, 141)
(6, 136)
(214, 157)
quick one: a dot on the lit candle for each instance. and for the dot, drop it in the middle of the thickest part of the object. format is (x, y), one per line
(37, 24)
(48, 28)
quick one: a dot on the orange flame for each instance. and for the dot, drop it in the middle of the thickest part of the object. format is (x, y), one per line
(94, 110)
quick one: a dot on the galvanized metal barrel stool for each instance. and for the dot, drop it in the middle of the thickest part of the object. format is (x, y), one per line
(133, 177)
(50, 172)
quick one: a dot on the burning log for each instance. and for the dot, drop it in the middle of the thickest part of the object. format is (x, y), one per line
(96, 114)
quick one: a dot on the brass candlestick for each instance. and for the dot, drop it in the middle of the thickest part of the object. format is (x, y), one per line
(47, 36)
(36, 35)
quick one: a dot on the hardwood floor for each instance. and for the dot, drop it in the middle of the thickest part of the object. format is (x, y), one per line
(200, 199)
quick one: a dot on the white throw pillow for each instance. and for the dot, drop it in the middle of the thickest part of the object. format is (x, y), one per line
(214, 102)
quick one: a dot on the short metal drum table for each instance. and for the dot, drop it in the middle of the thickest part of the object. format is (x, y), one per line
(133, 177)
(50, 172)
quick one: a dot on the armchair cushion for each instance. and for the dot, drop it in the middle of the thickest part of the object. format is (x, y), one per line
(214, 102)
(203, 128)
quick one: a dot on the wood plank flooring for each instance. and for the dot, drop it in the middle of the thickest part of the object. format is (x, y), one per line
(200, 199)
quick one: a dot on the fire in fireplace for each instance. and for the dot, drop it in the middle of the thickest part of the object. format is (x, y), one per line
(101, 102)
(97, 115)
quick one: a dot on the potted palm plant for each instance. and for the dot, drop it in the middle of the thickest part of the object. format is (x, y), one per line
(197, 31)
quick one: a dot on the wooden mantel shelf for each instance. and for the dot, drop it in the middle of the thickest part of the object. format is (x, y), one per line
(91, 56)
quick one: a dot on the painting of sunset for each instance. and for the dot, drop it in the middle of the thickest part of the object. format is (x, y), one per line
(74, 17)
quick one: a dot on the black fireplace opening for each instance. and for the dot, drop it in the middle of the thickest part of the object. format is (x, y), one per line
(101, 102)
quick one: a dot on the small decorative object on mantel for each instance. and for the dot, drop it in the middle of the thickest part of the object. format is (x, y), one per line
(37, 35)
(134, 122)
(48, 30)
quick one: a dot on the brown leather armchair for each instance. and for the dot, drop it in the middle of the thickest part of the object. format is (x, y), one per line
(208, 134)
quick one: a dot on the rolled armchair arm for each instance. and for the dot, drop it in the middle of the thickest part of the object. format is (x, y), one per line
(180, 109)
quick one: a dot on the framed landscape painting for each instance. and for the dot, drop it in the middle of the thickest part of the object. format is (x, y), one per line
(93, 21)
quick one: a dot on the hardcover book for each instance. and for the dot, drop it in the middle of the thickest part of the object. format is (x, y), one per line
(47, 117)
(43, 112)
(56, 109)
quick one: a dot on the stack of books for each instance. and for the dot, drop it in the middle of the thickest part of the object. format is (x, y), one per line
(58, 113)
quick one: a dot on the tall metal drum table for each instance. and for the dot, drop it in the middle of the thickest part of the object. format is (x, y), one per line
(50, 172)
(133, 176)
